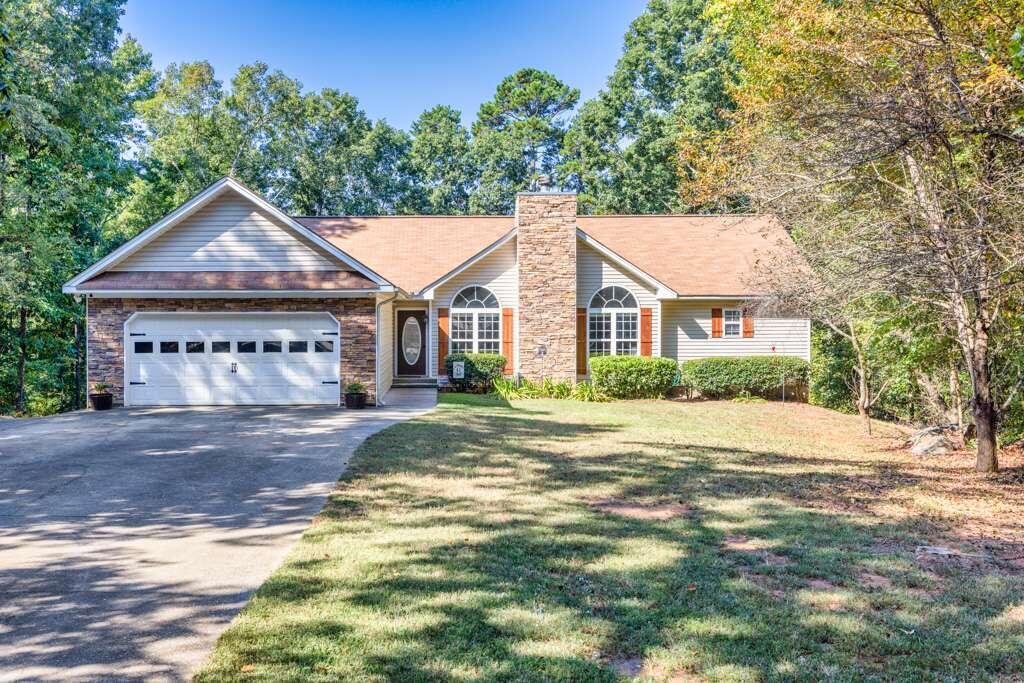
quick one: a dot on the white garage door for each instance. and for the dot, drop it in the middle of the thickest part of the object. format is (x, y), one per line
(232, 359)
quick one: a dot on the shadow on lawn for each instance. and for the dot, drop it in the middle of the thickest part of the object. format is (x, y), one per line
(537, 584)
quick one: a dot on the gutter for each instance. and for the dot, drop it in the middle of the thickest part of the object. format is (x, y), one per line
(376, 360)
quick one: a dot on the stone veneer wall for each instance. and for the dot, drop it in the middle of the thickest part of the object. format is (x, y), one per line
(105, 320)
(546, 239)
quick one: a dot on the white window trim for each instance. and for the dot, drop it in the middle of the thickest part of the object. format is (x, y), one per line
(725, 326)
(615, 312)
(614, 338)
(475, 312)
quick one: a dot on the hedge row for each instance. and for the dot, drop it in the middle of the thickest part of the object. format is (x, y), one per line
(728, 377)
(633, 376)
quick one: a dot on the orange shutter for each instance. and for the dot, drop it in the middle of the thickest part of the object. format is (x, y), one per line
(581, 341)
(646, 330)
(748, 324)
(717, 324)
(442, 339)
(506, 338)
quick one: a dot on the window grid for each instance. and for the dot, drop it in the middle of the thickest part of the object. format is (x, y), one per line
(476, 325)
(732, 322)
(613, 325)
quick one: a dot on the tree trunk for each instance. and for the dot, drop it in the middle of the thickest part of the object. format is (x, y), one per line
(863, 391)
(985, 426)
(955, 402)
(22, 332)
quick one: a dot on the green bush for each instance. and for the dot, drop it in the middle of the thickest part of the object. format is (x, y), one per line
(481, 370)
(633, 376)
(511, 390)
(728, 377)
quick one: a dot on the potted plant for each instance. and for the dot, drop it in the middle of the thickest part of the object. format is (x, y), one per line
(100, 397)
(355, 395)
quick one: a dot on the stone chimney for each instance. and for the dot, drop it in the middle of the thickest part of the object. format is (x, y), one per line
(546, 238)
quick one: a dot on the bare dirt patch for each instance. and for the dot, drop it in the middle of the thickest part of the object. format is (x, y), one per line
(763, 583)
(742, 544)
(871, 580)
(660, 511)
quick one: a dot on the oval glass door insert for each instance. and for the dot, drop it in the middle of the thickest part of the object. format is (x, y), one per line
(412, 341)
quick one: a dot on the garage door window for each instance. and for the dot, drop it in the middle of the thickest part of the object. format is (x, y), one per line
(220, 347)
(195, 347)
(143, 347)
(298, 347)
(168, 347)
(246, 347)
(271, 347)
(326, 346)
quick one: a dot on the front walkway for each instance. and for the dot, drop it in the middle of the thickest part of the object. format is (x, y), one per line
(129, 539)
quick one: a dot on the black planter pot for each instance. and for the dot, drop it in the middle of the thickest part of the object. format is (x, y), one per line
(101, 401)
(355, 400)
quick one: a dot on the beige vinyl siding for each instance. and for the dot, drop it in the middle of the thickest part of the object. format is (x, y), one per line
(594, 271)
(228, 234)
(686, 333)
(497, 272)
(386, 360)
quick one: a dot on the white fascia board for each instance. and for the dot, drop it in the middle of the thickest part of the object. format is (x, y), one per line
(428, 291)
(196, 203)
(720, 297)
(663, 291)
(232, 293)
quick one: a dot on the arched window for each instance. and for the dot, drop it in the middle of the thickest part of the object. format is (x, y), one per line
(475, 321)
(613, 323)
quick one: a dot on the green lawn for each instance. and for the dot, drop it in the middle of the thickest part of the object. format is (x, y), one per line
(555, 540)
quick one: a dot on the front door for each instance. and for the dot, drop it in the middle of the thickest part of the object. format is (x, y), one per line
(412, 343)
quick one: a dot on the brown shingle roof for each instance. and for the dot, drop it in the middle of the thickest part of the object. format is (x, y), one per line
(278, 280)
(694, 255)
(411, 251)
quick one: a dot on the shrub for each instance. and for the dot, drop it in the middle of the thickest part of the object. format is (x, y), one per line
(481, 370)
(511, 390)
(633, 376)
(728, 377)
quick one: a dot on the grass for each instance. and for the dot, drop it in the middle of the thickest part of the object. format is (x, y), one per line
(555, 540)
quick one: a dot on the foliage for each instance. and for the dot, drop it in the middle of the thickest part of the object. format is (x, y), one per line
(511, 389)
(673, 77)
(355, 388)
(727, 377)
(517, 137)
(887, 135)
(441, 156)
(633, 376)
(481, 369)
(100, 388)
(67, 89)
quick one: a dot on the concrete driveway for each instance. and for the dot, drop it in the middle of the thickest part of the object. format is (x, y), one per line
(129, 539)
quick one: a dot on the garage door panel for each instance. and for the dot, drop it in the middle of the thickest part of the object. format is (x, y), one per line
(232, 359)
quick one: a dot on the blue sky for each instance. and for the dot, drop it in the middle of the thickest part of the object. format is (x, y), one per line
(397, 57)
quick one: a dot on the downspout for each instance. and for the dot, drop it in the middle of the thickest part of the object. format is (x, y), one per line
(377, 350)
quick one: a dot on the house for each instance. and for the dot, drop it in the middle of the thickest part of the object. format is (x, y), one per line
(228, 300)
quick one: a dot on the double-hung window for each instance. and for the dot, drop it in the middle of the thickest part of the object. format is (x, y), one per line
(732, 322)
(475, 321)
(613, 323)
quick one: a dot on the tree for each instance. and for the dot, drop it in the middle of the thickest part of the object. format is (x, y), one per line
(890, 132)
(518, 135)
(441, 156)
(70, 89)
(621, 152)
